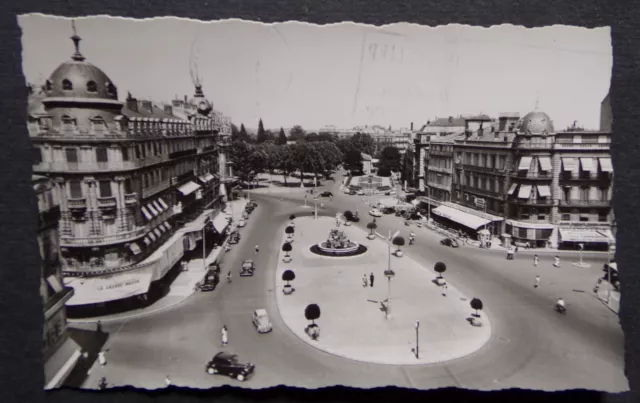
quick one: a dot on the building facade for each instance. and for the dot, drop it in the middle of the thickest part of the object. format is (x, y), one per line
(129, 175)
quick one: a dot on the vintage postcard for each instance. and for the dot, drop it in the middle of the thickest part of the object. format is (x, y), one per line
(248, 204)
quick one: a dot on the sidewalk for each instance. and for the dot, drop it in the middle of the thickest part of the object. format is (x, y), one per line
(352, 323)
(184, 284)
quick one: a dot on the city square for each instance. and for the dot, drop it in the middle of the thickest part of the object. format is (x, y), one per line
(181, 248)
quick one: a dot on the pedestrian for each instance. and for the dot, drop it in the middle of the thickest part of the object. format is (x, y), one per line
(535, 260)
(444, 289)
(224, 333)
(257, 249)
(537, 282)
(167, 381)
(102, 359)
(510, 253)
(597, 287)
(99, 327)
(331, 198)
(556, 261)
(364, 280)
(371, 278)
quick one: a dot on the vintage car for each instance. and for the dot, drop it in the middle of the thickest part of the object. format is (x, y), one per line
(375, 212)
(450, 242)
(234, 237)
(247, 269)
(261, 321)
(211, 280)
(390, 192)
(326, 194)
(227, 364)
(242, 223)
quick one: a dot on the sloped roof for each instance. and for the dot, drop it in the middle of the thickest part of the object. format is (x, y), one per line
(448, 138)
(447, 122)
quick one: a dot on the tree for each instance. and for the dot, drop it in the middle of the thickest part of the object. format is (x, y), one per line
(398, 241)
(234, 132)
(297, 133)
(288, 276)
(440, 268)
(348, 215)
(282, 138)
(353, 161)
(390, 160)
(242, 135)
(344, 145)
(292, 217)
(312, 313)
(289, 231)
(407, 167)
(372, 227)
(363, 143)
(271, 154)
(286, 248)
(476, 304)
(311, 137)
(247, 160)
(286, 163)
(262, 135)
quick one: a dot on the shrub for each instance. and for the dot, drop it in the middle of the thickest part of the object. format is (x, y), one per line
(398, 241)
(476, 304)
(286, 248)
(440, 268)
(312, 312)
(288, 276)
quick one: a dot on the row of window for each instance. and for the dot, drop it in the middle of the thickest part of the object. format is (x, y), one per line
(91, 86)
(441, 148)
(440, 162)
(482, 182)
(481, 160)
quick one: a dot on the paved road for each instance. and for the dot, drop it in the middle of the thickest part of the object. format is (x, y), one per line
(531, 346)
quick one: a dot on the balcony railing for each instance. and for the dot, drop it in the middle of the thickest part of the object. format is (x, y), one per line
(532, 175)
(601, 177)
(103, 239)
(468, 167)
(107, 202)
(577, 202)
(76, 204)
(158, 187)
(131, 199)
(531, 202)
(484, 192)
(64, 166)
(439, 169)
(580, 146)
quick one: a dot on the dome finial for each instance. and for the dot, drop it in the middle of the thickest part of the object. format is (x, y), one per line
(76, 41)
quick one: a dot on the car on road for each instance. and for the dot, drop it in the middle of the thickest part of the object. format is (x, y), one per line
(450, 242)
(326, 194)
(247, 269)
(227, 364)
(234, 237)
(242, 223)
(261, 321)
(360, 192)
(375, 212)
(388, 210)
(211, 280)
(390, 193)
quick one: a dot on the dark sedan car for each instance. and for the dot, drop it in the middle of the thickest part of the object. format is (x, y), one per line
(326, 194)
(227, 364)
(248, 267)
(450, 242)
(211, 280)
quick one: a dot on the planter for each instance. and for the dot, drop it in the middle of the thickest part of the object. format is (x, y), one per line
(288, 289)
(440, 281)
(399, 253)
(371, 237)
(477, 322)
(312, 331)
(287, 259)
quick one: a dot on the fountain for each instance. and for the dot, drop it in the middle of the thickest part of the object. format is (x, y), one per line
(338, 245)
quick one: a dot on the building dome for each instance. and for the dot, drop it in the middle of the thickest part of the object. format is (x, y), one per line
(537, 122)
(77, 78)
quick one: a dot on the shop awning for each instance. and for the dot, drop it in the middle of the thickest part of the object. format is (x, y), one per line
(525, 163)
(569, 164)
(162, 202)
(157, 232)
(108, 288)
(188, 188)
(209, 177)
(152, 210)
(152, 236)
(587, 164)
(525, 192)
(146, 213)
(605, 165)
(220, 222)
(461, 217)
(223, 190)
(135, 248)
(54, 283)
(60, 364)
(512, 189)
(529, 225)
(167, 225)
(545, 163)
(158, 206)
(544, 191)
(586, 235)
(203, 178)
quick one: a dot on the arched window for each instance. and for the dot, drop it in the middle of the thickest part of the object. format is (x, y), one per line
(111, 89)
(66, 85)
(92, 87)
(47, 85)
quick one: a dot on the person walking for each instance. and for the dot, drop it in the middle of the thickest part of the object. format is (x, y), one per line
(99, 327)
(224, 333)
(371, 278)
(556, 261)
(510, 253)
(535, 260)
(537, 285)
(364, 281)
(444, 289)
(257, 249)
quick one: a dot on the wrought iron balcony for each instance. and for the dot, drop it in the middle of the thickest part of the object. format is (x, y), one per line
(107, 202)
(577, 202)
(77, 204)
(131, 199)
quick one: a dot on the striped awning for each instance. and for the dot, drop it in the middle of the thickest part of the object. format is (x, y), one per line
(605, 164)
(587, 164)
(525, 163)
(569, 164)
(158, 206)
(461, 217)
(157, 232)
(525, 192)
(146, 241)
(585, 235)
(152, 210)
(167, 225)
(152, 236)
(545, 163)
(162, 202)
(146, 214)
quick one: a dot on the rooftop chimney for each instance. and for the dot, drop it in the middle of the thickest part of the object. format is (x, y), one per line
(132, 104)
(145, 106)
(411, 126)
(168, 109)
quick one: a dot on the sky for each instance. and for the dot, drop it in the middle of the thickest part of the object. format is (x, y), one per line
(344, 75)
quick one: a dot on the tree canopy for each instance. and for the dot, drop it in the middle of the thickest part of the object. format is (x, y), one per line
(390, 160)
(297, 133)
(363, 143)
(353, 161)
(282, 138)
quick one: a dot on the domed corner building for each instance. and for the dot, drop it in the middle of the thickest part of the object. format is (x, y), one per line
(135, 181)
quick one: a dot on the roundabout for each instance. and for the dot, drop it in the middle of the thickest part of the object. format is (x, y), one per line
(358, 322)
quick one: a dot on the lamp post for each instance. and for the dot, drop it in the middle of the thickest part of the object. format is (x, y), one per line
(389, 274)
(581, 247)
(204, 247)
(417, 339)
(315, 208)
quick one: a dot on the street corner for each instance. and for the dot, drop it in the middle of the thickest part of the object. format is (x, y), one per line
(354, 322)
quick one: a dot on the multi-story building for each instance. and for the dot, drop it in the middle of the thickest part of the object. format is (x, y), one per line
(439, 169)
(128, 175)
(60, 352)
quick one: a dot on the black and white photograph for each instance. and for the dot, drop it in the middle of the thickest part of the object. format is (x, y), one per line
(249, 204)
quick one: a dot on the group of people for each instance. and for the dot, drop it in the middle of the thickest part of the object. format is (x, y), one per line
(367, 281)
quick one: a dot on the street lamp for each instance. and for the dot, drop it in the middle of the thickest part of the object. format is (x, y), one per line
(204, 248)
(417, 339)
(581, 247)
(389, 274)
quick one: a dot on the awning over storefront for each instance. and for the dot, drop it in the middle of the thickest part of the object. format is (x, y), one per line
(545, 163)
(203, 179)
(158, 206)
(529, 225)
(157, 232)
(209, 177)
(152, 236)
(188, 188)
(146, 214)
(108, 288)
(586, 235)
(525, 192)
(466, 219)
(525, 163)
(512, 189)
(223, 190)
(152, 210)
(543, 190)
(167, 225)
(54, 283)
(605, 164)
(60, 364)
(587, 164)
(569, 164)
(162, 202)
(220, 222)
(135, 248)
(147, 241)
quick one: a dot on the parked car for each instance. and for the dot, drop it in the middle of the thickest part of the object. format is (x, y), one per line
(450, 242)
(388, 210)
(242, 222)
(227, 364)
(352, 192)
(261, 321)
(234, 237)
(360, 192)
(211, 280)
(390, 192)
(326, 194)
(375, 212)
(247, 269)
(353, 218)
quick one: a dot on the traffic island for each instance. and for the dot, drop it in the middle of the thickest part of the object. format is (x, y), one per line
(356, 318)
